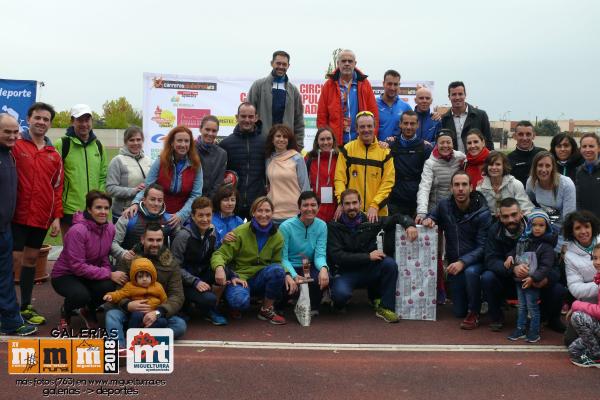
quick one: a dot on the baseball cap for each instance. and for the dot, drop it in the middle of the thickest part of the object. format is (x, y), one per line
(80, 109)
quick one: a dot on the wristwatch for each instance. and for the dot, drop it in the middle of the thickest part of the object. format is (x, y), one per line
(157, 313)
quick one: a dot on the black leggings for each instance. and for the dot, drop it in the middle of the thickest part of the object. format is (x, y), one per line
(80, 292)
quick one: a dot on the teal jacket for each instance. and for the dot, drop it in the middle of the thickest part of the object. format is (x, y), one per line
(85, 169)
(303, 241)
(243, 255)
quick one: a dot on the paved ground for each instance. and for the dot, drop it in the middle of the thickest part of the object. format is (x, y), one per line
(252, 359)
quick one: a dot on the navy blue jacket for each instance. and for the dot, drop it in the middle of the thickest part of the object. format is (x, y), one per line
(408, 164)
(246, 156)
(428, 129)
(466, 233)
(8, 188)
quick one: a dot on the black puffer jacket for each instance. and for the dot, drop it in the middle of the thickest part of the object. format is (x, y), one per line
(349, 249)
(465, 233)
(246, 156)
(588, 188)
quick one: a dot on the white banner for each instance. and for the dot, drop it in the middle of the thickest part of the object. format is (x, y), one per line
(171, 100)
(416, 290)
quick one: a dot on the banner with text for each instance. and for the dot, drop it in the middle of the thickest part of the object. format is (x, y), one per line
(16, 97)
(171, 100)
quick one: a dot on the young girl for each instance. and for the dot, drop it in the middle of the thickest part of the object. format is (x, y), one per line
(535, 250)
(585, 350)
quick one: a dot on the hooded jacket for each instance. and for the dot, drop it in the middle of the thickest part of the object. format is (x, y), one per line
(155, 293)
(246, 156)
(543, 247)
(435, 180)
(580, 273)
(588, 188)
(193, 252)
(261, 95)
(167, 274)
(348, 249)
(243, 255)
(40, 186)
(287, 178)
(125, 172)
(465, 232)
(214, 161)
(510, 187)
(84, 170)
(85, 250)
(369, 170)
(329, 112)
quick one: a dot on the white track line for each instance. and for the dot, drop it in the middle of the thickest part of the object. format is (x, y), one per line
(370, 347)
(225, 344)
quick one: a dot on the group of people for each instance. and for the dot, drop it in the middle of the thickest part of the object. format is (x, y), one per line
(523, 225)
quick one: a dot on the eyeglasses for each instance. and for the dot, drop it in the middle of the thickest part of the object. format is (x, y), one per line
(363, 113)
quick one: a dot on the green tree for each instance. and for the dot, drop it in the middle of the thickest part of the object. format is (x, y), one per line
(547, 127)
(62, 119)
(120, 114)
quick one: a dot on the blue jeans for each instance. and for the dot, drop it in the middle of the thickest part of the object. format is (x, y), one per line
(10, 316)
(116, 321)
(136, 320)
(466, 290)
(268, 283)
(380, 277)
(528, 304)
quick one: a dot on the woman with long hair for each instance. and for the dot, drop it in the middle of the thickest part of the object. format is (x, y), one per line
(179, 172)
(566, 152)
(286, 172)
(320, 165)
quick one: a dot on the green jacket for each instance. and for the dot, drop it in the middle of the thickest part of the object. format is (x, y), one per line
(85, 169)
(242, 255)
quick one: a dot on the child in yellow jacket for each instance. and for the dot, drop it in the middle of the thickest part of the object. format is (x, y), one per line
(142, 285)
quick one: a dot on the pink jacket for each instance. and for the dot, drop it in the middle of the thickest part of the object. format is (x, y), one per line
(86, 249)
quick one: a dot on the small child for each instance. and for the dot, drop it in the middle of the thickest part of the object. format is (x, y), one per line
(536, 250)
(585, 350)
(142, 285)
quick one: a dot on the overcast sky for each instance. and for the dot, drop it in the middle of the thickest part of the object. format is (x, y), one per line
(534, 58)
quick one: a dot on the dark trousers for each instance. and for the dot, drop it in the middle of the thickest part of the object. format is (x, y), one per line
(466, 290)
(136, 320)
(79, 292)
(380, 277)
(204, 301)
(10, 317)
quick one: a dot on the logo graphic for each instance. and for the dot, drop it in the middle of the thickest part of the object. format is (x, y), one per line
(63, 356)
(191, 117)
(187, 93)
(55, 356)
(150, 351)
(23, 356)
(160, 83)
(164, 118)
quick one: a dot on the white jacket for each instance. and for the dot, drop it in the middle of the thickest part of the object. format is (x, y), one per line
(510, 187)
(580, 273)
(435, 181)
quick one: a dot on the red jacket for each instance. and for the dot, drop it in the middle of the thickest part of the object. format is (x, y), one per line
(40, 186)
(329, 111)
(326, 211)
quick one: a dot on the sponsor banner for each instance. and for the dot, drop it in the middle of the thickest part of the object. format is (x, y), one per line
(63, 356)
(170, 100)
(16, 97)
(150, 351)
(416, 290)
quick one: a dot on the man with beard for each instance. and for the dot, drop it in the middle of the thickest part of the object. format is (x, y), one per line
(497, 280)
(464, 217)
(277, 100)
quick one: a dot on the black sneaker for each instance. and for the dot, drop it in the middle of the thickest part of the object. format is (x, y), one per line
(23, 330)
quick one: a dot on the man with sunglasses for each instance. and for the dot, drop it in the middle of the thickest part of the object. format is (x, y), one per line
(346, 92)
(366, 167)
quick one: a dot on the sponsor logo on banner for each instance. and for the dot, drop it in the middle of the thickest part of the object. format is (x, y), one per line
(191, 117)
(160, 83)
(187, 93)
(164, 118)
(63, 356)
(227, 120)
(150, 351)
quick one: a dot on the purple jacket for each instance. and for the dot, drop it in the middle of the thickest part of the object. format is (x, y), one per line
(85, 251)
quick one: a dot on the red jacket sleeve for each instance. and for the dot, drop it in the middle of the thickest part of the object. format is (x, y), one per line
(57, 184)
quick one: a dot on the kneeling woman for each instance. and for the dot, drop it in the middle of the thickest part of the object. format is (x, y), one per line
(255, 259)
(82, 274)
